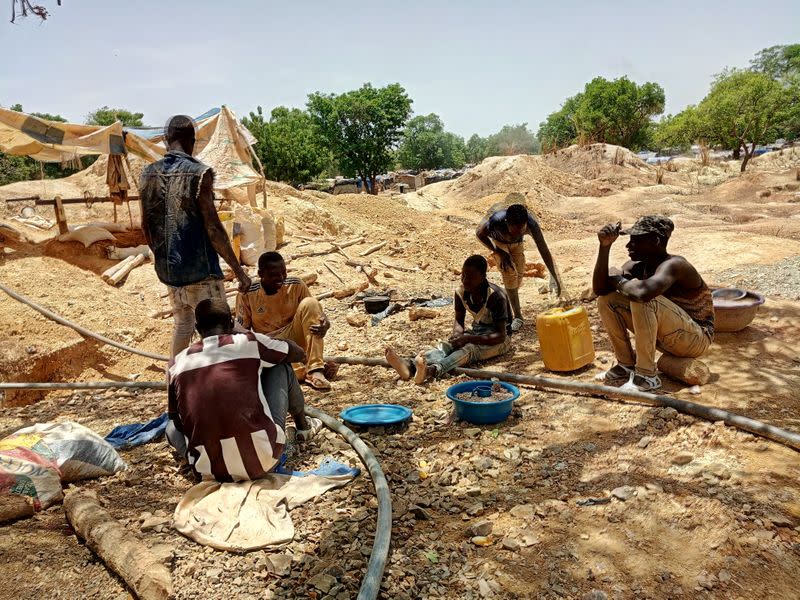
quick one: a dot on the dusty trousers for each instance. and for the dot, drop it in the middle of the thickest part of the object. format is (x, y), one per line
(308, 313)
(659, 323)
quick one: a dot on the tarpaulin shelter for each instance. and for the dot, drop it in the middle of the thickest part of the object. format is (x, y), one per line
(222, 142)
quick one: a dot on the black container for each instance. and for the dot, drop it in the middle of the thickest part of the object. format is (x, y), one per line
(375, 304)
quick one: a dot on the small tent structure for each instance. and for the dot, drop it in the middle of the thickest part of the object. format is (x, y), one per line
(222, 142)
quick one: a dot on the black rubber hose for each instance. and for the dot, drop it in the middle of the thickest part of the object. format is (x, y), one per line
(371, 584)
(85, 385)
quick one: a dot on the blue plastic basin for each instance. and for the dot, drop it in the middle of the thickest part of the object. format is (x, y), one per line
(481, 413)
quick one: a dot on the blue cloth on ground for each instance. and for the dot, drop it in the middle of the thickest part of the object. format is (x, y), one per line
(124, 437)
(327, 468)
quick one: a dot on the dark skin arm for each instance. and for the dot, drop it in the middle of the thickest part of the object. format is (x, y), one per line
(459, 339)
(216, 232)
(483, 236)
(541, 245)
(674, 270)
(322, 328)
(296, 354)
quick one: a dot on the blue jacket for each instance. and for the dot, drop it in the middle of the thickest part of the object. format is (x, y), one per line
(172, 221)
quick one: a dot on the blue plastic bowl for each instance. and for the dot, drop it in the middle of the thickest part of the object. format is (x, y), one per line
(481, 413)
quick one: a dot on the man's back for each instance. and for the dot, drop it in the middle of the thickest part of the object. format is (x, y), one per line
(219, 405)
(172, 222)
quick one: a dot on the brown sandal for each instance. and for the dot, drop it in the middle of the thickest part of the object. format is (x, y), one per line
(317, 380)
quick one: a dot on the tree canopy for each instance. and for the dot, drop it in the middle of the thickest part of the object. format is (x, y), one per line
(426, 145)
(742, 110)
(511, 139)
(362, 127)
(615, 112)
(779, 62)
(105, 116)
(289, 146)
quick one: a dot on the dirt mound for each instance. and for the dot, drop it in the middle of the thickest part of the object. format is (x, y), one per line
(522, 173)
(789, 158)
(604, 169)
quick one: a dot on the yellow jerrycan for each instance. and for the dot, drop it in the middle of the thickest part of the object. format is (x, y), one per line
(565, 339)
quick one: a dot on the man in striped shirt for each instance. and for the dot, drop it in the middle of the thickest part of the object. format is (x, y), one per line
(228, 398)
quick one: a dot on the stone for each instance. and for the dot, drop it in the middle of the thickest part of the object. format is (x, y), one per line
(473, 490)
(780, 520)
(473, 432)
(624, 492)
(595, 595)
(474, 509)
(510, 544)
(484, 588)
(522, 511)
(684, 458)
(527, 538)
(645, 441)
(323, 582)
(281, 563)
(724, 576)
(667, 413)
(653, 487)
(480, 528)
(706, 581)
(419, 513)
(151, 523)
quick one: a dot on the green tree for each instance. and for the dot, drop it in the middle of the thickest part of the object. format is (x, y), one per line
(678, 131)
(615, 112)
(513, 139)
(742, 110)
(106, 116)
(477, 149)
(559, 130)
(779, 62)
(288, 145)
(362, 127)
(426, 145)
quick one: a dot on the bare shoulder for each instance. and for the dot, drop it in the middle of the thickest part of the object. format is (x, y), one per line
(683, 270)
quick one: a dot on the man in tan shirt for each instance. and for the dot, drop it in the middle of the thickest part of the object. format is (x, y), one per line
(283, 308)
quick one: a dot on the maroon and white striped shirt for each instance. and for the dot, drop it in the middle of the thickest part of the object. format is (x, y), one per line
(216, 402)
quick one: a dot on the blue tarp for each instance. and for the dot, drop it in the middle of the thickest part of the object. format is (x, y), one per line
(125, 437)
(149, 133)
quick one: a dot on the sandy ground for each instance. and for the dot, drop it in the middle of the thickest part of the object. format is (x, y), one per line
(722, 525)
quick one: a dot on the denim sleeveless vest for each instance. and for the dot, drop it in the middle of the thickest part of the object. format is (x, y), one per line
(182, 249)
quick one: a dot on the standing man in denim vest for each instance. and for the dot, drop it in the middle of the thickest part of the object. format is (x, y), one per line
(183, 230)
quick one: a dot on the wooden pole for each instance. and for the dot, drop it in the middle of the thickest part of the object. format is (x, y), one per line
(374, 248)
(120, 550)
(61, 218)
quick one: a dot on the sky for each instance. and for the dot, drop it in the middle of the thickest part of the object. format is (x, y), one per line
(479, 65)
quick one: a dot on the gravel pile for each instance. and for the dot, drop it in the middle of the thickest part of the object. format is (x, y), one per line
(779, 279)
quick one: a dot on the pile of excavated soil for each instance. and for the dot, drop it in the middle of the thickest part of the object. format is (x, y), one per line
(780, 160)
(522, 173)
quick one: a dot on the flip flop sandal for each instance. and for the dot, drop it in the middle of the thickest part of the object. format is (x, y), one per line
(318, 381)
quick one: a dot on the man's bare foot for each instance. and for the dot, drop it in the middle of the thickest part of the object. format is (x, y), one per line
(422, 369)
(397, 363)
